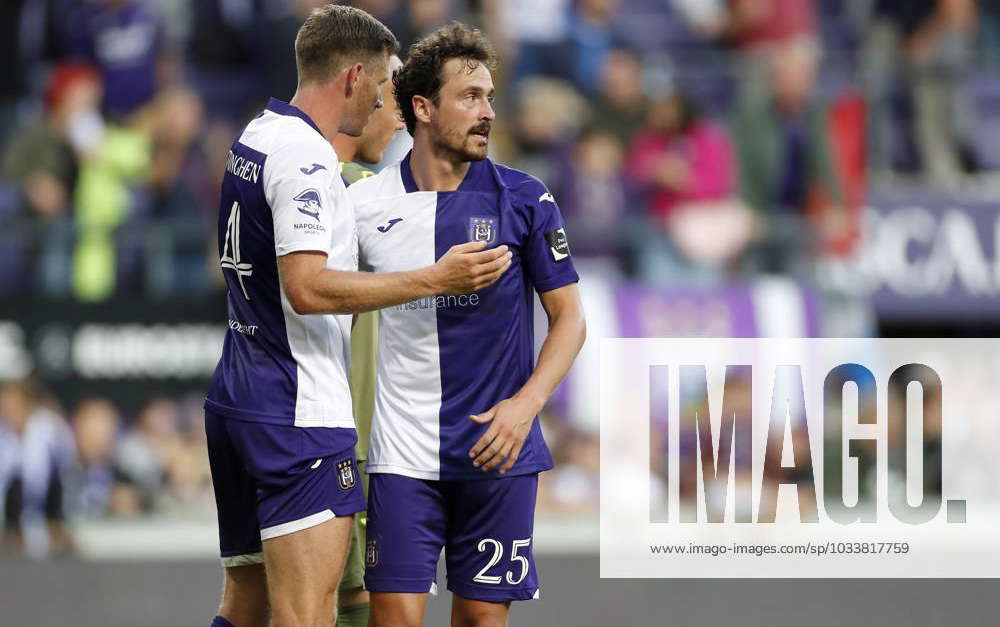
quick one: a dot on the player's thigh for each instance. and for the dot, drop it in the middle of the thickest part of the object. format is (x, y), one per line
(406, 531)
(397, 609)
(304, 567)
(308, 490)
(473, 613)
(244, 596)
(489, 550)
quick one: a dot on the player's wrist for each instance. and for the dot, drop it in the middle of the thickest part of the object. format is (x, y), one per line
(428, 281)
(535, 400)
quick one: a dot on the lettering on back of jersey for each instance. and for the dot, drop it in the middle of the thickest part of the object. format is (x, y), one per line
(310, 203)
(242, 168)
(231, 249)
(558, 244)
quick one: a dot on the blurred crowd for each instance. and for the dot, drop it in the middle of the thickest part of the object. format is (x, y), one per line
(59, 465)
(688, 142)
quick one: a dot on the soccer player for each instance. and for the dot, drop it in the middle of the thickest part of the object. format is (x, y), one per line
(278, 414)
(456, 448)
(352, 598)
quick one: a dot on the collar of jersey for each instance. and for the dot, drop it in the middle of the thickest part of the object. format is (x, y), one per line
(283, 108)
(477, 169)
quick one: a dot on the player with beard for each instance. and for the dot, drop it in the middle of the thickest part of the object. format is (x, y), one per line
(279, 429)
(383, 124)
(456, 446)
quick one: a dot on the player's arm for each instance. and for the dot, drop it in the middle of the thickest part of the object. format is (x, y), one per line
(510, 420)
(312, 288)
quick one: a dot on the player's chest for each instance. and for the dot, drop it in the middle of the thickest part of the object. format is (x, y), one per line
(417, 230)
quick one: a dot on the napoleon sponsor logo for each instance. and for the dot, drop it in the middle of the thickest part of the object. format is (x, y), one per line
(558, 244)
(345, 474)
(310, 203)
(371, 554)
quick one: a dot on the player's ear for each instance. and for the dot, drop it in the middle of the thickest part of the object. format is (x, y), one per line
(352, 78)
(422, 108)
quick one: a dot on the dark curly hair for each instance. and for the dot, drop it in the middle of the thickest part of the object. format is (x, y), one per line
(421, 74)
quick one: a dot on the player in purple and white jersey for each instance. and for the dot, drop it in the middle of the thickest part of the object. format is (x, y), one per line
(456, 449)
(278, 415)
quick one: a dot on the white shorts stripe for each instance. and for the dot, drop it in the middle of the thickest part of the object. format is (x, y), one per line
(296, 525)
(246, 559)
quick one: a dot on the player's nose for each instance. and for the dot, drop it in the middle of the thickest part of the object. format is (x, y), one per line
(488, 113)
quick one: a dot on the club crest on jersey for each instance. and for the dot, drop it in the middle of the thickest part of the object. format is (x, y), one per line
(310, 203)
(371, 554)
(345, 474)
(482, 230)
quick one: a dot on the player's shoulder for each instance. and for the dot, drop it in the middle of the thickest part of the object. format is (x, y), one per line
(383, 185)
(523, 187)
(290, 142)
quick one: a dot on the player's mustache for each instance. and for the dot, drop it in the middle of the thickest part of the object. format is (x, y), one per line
(482, 128)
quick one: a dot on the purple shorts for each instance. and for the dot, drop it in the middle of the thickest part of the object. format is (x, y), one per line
(273, 480)
(484, 525)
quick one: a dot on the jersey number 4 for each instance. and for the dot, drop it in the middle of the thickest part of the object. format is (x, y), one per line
(516, 545)
(231, 249)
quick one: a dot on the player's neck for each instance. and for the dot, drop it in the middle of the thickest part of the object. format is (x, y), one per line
(345, 146)
(317, 105)
(434, 170)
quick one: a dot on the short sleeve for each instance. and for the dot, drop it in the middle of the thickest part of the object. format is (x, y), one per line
(299, 189)
(546, 256)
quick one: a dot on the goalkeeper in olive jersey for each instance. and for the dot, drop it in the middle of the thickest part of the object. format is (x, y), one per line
(384, 123)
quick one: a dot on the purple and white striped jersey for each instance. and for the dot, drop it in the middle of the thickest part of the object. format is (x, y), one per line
(282, 193)
(443, 358)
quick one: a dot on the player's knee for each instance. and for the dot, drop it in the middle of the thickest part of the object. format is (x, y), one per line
(466, 614)
(244, 596)
(385, 613)
(482, 620)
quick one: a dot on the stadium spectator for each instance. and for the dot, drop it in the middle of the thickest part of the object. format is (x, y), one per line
(42, 160)
(531, 37)
(101, 486)
(928, 43)
(592, 37)
(549, 112)
(124, 39)
(684, 165)
(221, 53)
(787, 169)
(593, 194)
(36, 452)
(762, 26)
(620, 104)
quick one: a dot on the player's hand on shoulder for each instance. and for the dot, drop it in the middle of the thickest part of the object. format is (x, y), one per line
(468, 268)
(510, 423)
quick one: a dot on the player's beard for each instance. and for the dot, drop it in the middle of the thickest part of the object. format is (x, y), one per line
(462, 143)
